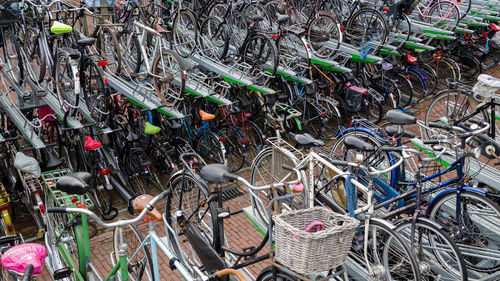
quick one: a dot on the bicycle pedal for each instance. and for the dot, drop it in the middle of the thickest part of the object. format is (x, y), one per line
(62, 273)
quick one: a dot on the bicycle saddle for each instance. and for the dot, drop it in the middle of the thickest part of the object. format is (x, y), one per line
(76, 183)
(205, 116)
(87, 41)
(397, 117)
(306, 140)
(283, 19)
(257, 18)
(59, 27)
(160, 29)
(489, 80)
(393, 131)
(91, 144)
(52, 161)
(352, 142)
(174, 124)
(150, 129)
(495, 27)
(141, 202)
(131, 136)
(214, 173)
(19, 257)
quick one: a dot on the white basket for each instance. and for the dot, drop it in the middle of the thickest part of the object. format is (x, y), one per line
(309, 252)
(484, 91)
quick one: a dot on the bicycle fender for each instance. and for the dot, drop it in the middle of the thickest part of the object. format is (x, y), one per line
(454, 189)
(384, 222)
(341, 134)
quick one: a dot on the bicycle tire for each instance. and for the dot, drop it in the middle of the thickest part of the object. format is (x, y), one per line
(419, 86)
(267, 275)
(256, 141)
(66, 80)
(37, 60)
(356, 40)
(141, 267)
(170, 87)
(371, 109)
(395, 260)
(235, 153)
(130, 53)
(260, 52)
(470, 68)
(192, 197)
(450, 24)
(333, 35)
(492, 57)
(109, 48)
(259, 177)
(430, 77)
(213, 35)
(445, 72)
(310, 119)
(482, 240)
(185, 33)
(94, 91)
(135, 172)
(444, 262)
(450, 105)
(211, 148)
(294, 54)
(101, 196)
(12, 56)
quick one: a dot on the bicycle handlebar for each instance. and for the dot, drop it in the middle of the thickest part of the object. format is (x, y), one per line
(112, 224)
(466, 133)
(42, 5)
(256, 188)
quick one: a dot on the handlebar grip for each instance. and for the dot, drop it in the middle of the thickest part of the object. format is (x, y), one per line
(231, 176)
(339, 162)
(28, 272)
(440, 126)
(57, 210)
(431, 141)
(286, 167)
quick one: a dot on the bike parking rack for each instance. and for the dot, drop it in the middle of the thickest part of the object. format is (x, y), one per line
(140, 95)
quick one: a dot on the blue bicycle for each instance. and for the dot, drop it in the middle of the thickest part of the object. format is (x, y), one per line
(467, 212)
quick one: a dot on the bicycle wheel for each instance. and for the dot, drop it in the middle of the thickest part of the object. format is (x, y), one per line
(101, 195)
(430, 77)
(139, 261)
(492, 57)
(94, 92)
(293, 54)
(438, 256)
(66, 80)
(185, 32)
(311, 118)
(324, 35)
(36, 60)
(267, 169)
(399, 30)
(137, 174)
(389, 255)
(109, 48)
(475, 230)
(445, 72)
(261, 53)
(211, 148)
(419, 86)
(168, 78)
(366, 30)
(470, 68)
(191, 197)
(255, 138)
(235, 153)
(449, 107)
(267, 275)
(443, 14)
(405, 88)
(12, 56)
(130, 53)
(214, 38)
(371, 109)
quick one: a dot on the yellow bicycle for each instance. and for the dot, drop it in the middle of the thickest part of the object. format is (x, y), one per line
(5, 211)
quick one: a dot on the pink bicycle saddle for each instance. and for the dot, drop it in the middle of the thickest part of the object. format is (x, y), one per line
(91, 144)
(495, 27)
(19, 257)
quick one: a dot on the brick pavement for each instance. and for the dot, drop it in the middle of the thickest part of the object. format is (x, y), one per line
(240, 231)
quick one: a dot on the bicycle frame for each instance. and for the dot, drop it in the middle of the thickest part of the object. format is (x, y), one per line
(159, 45)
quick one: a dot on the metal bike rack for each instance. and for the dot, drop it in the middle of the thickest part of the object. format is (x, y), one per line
(140, 95)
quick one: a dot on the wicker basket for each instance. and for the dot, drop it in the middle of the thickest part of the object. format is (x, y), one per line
(308, 252)
(11, 13)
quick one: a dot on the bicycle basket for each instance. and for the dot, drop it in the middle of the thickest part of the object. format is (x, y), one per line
(308, 252)
(11, 13)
